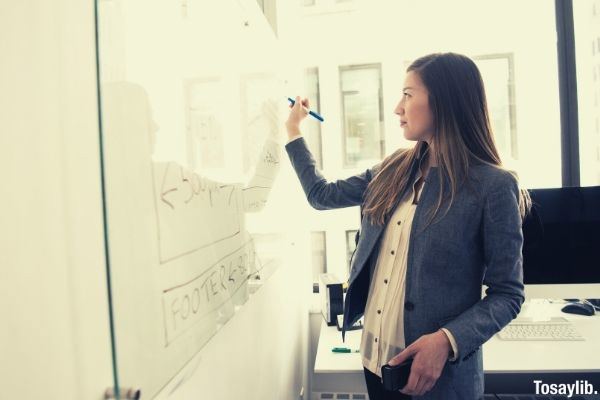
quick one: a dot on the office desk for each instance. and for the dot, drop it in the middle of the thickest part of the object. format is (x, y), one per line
(509, 366)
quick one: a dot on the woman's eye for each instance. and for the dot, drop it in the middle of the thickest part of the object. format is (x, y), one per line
(406, 94)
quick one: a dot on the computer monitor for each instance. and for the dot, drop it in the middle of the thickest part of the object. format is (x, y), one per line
(561, 248)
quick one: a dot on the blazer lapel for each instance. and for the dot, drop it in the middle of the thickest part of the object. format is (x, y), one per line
(370, 233)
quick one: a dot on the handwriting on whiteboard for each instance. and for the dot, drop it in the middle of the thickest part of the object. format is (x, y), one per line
(187, 205)
(270, 158)
(180, 187)
(192, 302)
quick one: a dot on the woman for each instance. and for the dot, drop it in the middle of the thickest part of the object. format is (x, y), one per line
(438, 221)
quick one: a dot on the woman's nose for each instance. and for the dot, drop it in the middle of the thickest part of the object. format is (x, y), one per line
(399, 109)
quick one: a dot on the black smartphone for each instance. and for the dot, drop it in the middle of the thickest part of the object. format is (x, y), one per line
(395, 378)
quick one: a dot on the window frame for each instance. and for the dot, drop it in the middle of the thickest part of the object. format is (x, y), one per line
(567, 81)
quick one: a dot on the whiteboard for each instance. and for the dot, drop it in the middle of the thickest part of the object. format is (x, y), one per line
(191, 116)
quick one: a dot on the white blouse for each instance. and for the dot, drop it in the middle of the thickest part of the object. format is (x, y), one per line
(383, 330)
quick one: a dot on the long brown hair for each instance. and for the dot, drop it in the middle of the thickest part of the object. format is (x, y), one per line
(462, 136)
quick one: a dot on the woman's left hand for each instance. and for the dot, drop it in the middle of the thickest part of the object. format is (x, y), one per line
(429, 354)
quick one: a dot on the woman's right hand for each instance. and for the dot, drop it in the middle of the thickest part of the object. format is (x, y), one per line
(297, 114)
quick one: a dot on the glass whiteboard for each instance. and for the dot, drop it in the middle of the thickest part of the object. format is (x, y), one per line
(190, 107)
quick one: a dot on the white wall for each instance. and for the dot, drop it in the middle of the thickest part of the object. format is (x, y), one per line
(54, 343)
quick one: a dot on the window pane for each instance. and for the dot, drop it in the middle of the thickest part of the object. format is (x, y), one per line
(319, 257)
(497, 71)
(362, 115)
(312, 129)
(350, 246)
(586, 15)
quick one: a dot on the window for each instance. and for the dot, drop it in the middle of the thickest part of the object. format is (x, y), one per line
(312, 129)
(362, 104)
(350, 246)
(497, 71)
(587, 33)
(319, 256)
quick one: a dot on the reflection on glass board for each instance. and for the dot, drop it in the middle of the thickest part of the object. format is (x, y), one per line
(269, 256)
(205, 116)
(256, 121)
(198, 225)
(176, 129)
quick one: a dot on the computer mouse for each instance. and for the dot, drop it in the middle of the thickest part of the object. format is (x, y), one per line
(578, 308)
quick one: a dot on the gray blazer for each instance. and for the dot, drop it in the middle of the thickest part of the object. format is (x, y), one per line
(479, 241)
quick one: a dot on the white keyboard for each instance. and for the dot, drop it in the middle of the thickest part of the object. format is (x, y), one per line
(556, 329)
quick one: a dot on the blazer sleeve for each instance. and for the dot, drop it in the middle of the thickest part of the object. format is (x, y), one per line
(321, 194)
(503, 274)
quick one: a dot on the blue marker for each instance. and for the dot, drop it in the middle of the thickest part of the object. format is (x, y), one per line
(314, 114)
